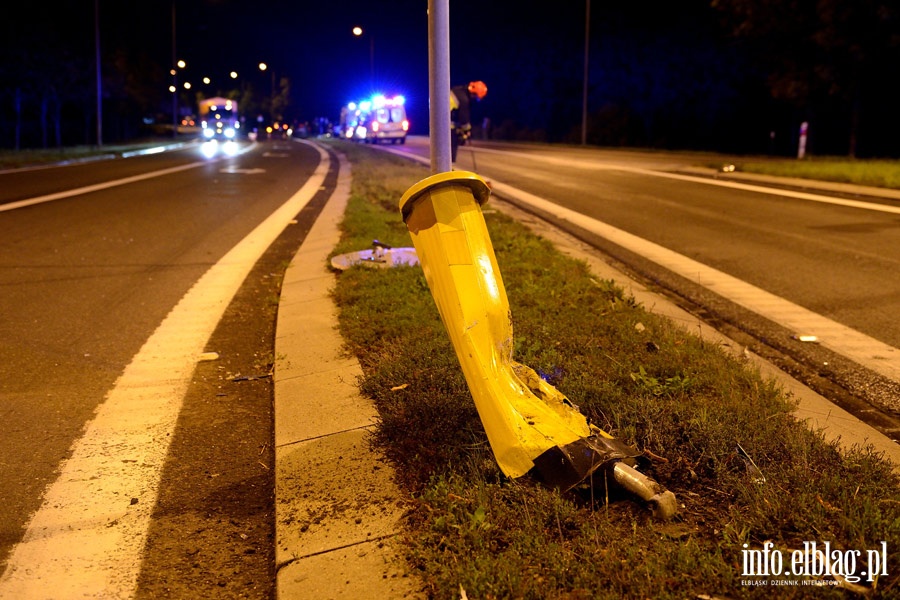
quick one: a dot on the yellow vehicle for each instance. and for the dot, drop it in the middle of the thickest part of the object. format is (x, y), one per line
(219, 118)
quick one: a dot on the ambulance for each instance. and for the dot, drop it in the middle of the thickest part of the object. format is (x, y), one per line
(379, 119)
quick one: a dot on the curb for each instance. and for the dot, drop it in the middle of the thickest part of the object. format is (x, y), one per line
(337, 510)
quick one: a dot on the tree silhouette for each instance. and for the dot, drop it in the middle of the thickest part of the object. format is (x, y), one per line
(821, 53)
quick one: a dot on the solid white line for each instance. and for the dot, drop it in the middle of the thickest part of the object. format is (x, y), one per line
(105, 185)
(867, 351)
(96, 187)
(594, 166)
(87, 538)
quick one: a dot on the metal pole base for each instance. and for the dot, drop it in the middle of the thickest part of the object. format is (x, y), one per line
(662, 502)
(568, 466)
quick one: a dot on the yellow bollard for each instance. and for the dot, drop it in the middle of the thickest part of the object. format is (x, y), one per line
(531, 426)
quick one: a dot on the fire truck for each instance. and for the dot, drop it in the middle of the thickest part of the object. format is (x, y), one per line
(219, 118)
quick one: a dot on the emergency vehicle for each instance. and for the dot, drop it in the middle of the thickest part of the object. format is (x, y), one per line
(380, 119)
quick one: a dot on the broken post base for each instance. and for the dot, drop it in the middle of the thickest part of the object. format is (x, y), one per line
(661, 501)
(565, 467)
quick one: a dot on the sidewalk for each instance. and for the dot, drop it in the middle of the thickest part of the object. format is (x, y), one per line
(337, 510)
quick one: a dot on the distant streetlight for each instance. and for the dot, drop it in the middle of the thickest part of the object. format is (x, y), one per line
(358, 32)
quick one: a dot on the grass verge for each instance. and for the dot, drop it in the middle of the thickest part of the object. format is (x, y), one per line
(875, 173)
(685, 402)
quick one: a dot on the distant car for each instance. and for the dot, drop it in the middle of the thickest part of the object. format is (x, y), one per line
(279, 131)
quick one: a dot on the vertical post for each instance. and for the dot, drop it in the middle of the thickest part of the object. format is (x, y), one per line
(439, 84)
(99, 80)
(584, 93)
(372, 61)
(801, 145)
(174, 79)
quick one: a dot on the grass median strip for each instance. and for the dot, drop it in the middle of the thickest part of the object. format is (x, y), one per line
(760, 493)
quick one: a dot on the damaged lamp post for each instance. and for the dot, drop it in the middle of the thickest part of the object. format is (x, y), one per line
(532, 428)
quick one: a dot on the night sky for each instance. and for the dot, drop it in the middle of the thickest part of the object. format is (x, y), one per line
(663, 76)
(530, 57)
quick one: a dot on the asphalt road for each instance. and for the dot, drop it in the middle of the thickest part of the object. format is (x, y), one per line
(86, 278)
(96, 258)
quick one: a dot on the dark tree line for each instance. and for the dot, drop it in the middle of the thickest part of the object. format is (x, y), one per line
(829, 59)
(728, 75)
(48, 83)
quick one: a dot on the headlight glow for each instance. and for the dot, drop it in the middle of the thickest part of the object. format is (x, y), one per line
(209, 149)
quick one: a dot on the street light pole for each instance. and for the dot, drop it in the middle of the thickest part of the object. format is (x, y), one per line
(584, 93)
(439, 84)
(99, 80)
(358, 32)
(174, 80)
(263, 67)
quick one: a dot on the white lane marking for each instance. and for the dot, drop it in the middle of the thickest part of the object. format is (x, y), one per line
(105, 185)
(87, 538)
(236, 170)
(96, 187)
(867, 351)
